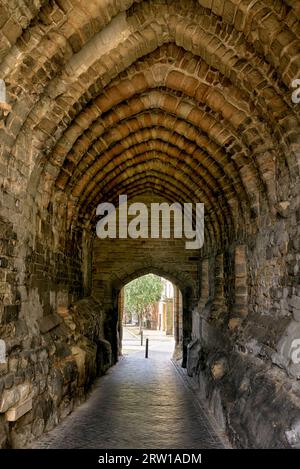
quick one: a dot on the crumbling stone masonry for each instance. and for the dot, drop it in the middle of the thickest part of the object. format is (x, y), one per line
(181, 101)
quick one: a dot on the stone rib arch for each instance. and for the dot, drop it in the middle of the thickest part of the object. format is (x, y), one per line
(201, 162)
(180, 279)
(138, 161)
(137, 186)
(145, 86)
(230, 17)
(197, 138)
(148, 139)
(167, 179)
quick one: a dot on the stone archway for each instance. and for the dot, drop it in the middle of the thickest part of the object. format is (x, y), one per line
(185, 298)
(124, 267)
(175, 101)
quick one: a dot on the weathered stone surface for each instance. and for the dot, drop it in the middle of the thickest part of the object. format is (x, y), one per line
(193, 356)
(12, 396)
(295, 304)
(14, 413)
(182, 101)
(293, 435)
(219, 368)
(54, 372)
(48, 323)
(296, 314)
(289, 348)
(3, 432)
(11, 313)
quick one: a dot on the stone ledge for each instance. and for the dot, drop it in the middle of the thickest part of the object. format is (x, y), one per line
(14, 413)
(11, 397)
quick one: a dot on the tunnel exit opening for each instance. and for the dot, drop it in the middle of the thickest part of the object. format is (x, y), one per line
(150, 307)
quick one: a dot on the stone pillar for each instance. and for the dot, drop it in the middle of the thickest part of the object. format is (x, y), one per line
(170, 317)
(204, 283)
(120, 318)
(177, 316)
(203, 299)
(187, 323)
(240, 307)
(219, 305)
(87, 246)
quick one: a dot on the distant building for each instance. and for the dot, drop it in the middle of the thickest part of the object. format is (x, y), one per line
(162, 313)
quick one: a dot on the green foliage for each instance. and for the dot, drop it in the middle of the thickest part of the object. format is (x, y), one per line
(141, 293)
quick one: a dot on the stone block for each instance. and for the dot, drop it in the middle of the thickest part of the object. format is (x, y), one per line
(10, 397)
(55, 385)
(295, 302)
(293, 435)
(3, 262)
(14, 413)
(218, 369)
(296, 314)
(289, 349)
(241, 270)
(79, 356)
(11, 313)
(63, 311)
(234, 323)
(104, 356)
(193, 350)
(5, 109)
(49, 322)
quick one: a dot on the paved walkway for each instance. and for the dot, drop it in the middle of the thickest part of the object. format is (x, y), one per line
(140, 403)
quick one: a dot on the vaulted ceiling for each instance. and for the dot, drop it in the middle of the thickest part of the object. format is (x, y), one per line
(190, 100)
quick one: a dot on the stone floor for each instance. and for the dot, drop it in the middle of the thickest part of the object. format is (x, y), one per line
(140, 403)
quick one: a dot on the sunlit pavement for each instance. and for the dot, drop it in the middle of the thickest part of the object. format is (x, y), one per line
(158, 341)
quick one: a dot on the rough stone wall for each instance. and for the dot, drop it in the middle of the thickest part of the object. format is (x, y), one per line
(49, 369)
(52, 353)
(190, 101)
(241, 356)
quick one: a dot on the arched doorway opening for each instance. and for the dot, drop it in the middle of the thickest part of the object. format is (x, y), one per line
(150, 307)
(165, 319)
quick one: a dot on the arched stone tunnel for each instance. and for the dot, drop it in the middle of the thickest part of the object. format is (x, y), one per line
(174, 101)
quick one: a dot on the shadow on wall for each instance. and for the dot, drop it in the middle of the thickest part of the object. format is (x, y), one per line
(241, 362)
(72, 351)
